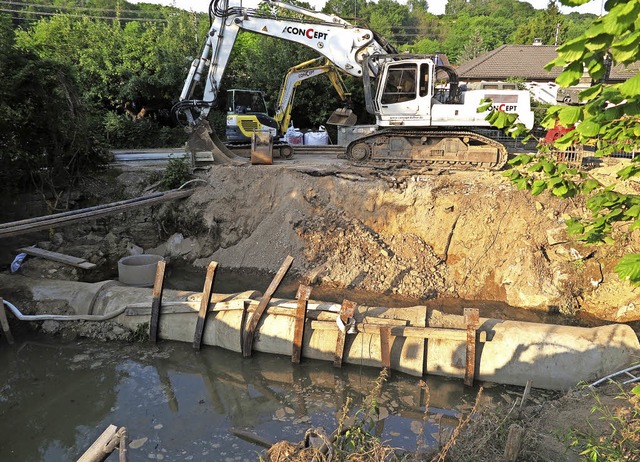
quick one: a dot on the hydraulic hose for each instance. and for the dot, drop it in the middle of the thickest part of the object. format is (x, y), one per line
(62, 317)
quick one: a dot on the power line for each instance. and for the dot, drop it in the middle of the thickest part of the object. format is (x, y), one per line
(42, 13)
(76, 8)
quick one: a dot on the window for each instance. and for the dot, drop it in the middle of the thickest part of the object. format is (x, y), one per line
(401, 84)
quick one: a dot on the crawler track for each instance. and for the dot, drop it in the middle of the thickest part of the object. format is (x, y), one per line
(454, 149)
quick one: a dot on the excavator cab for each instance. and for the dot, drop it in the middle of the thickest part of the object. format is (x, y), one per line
(247, 114)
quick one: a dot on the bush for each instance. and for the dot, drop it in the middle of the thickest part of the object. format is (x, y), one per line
(177, 173)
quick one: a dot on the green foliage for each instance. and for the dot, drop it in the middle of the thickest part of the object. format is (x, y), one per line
(621, 441)
(539, 173)
(140, 334)
(629, 268)
(123, 132)
(47, 133)
(549, 25)
(177, 172)
(608, 119)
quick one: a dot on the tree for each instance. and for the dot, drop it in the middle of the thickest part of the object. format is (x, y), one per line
(609, 118)
(473, 48)
(345, 8)
(388, 18)
(455, 6)
(418, 5)
(548, 25)
(47, 134)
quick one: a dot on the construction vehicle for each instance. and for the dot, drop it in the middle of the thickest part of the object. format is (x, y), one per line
(309, 69)
(247, 112)
(422, 115)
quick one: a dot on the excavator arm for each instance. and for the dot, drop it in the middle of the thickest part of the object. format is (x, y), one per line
(307, 70)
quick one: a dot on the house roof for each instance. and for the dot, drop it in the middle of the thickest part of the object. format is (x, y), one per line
(621, 72)
(515, 61)
(526, 62)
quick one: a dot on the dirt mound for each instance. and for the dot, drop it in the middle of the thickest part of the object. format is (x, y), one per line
(464, 234)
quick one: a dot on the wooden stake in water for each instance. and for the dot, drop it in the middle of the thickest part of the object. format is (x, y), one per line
(304, 292)
(5, 323)
(204, 304)
(472, 321)
(252, 322)
(158, 286)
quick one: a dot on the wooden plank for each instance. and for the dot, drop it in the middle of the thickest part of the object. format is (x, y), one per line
(5, 323)
(472, 321)
(66, 218)
(158, 286)
(96, 452)
(59, 257)
(403, 331)
(204, 304)
(385, 347)
(184, 307)
(122, 445)
(252, 323)
(303, 294)
(514, 443)
(347, 310)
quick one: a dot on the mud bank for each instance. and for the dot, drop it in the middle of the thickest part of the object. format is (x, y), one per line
(468, 235)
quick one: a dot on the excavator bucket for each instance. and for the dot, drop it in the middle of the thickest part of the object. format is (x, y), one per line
(203, 138)
(343, 117)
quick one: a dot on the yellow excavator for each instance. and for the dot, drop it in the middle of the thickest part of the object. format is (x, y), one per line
(247, 111)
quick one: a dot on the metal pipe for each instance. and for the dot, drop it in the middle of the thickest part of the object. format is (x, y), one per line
(62, 317)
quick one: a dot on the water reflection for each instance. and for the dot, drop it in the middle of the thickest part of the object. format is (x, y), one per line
(178, 404)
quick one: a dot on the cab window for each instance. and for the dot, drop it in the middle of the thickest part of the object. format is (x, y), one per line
(401, 84)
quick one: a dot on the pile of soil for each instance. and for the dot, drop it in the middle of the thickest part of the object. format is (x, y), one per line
(430, 235)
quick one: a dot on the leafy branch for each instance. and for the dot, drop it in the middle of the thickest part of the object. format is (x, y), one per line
(608, 119)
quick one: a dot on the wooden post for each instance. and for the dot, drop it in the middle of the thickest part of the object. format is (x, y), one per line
(347, 310)
(96, 452)
(304, 292)
(158, 286)
(385, 347)
(472, 321)
(122, 445)
(5, 323)
(514, 442)
(252, 323)
(204, 304)
(525, 393)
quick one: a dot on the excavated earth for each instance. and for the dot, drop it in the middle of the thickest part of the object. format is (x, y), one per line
(421, 234)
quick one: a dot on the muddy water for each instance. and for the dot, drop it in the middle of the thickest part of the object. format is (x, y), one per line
(178, 404)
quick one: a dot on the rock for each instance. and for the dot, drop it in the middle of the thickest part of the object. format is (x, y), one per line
(58, 239)
(133, 249)
(138, 443)
(557, 235)
(50, 327)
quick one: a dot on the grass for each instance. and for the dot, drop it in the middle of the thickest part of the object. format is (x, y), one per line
(621, 443)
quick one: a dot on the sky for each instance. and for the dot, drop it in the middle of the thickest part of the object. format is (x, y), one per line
(435, 6)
